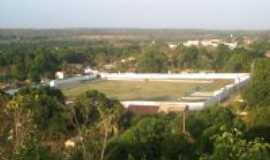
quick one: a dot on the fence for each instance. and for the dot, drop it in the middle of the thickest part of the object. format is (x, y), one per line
(69, 82)
(180, 76)
(240, 79)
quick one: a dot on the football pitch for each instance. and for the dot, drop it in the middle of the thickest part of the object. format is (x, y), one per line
(144, 90)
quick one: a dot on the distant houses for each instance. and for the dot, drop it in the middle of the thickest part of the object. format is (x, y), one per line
(191, 43)
(209, 43)
(173, 45)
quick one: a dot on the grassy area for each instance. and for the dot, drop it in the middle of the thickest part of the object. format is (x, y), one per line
(141, 90)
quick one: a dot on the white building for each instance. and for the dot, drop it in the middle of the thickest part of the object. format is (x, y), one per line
(88, 70)
(211, 43)
(172, 45)
(59, 75)
(231, 45)
(191, 43)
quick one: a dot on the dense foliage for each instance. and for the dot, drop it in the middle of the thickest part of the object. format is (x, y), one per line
(257, 93)
(37, 123)
(37, 60)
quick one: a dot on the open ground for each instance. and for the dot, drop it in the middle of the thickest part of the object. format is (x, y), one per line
(144, 90)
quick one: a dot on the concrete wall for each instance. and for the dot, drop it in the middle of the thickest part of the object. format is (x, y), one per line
(191, 105)
(226, 91)
(180, 76)
(71, 81)
(240, 80)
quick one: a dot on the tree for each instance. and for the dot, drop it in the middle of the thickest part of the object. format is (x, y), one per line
(232, 146)
(32, 149)
(47, 107)
(238, 62)
(151, 138)
(188, 58)
(153, 62)
(207, 123)
(257, 92)
(95, 109)
(222, 55)
(19, 70)
(45, 63)
(5, 123)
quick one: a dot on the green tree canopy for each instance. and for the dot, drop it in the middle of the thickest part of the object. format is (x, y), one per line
(153, 61)
(257, 92)
(232, 146)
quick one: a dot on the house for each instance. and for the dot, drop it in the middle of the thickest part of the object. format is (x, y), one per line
(109, 66)
(191, 43)
(129, 59)
(59, 75)
(206, 43)
(72, 142)
(267, 54)
(211, 43)
(88, 70)
(231, 45)
(247, 40)
(172, 45)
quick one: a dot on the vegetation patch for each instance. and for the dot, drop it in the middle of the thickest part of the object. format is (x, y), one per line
(144, 90)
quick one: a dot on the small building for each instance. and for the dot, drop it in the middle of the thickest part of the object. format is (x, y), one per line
(231, 45)
(88, 70)
(52, 83)
(172, 45)
(211, 43)
(131, 59)
(267, 54)
(59, 75)
(247, 40)
(191, 43)
(109, 66)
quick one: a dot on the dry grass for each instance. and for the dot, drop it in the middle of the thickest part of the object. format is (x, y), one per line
(142, 90)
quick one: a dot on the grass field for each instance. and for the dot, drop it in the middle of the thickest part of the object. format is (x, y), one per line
(141, 90)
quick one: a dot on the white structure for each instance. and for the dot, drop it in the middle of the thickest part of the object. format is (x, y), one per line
(88, 70)
(239, 80)
(231, 45)
(59, 75)
(211, 43)
(129, 59)
(72, 142)
(196, 101)
(172, 45)
(71, 81)
(172, 76)
(191, 43)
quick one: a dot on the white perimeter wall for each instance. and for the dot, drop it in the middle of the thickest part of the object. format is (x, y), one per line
(239, 80)
(165, 76)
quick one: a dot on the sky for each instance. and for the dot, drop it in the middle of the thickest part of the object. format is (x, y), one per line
(177, 14)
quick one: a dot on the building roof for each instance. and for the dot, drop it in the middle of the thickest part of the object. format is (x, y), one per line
(267, 54)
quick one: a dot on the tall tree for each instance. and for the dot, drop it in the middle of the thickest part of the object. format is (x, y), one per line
(232, 146)
(153, 62)
(257, 93)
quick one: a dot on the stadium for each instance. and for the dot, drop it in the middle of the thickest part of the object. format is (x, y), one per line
(144, 92)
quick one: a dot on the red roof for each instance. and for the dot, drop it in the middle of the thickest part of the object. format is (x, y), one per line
(143, 109)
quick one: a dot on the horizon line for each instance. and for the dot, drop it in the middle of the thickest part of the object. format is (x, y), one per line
(133, 28)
